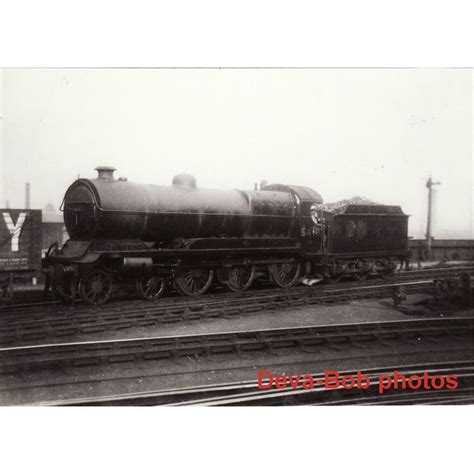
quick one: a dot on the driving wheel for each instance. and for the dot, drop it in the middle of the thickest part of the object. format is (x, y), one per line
(195, 282)
(96, 287)
(151, 287)
(285, 275)
(240, 278)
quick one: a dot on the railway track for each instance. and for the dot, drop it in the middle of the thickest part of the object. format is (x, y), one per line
(464, 370)
(247, 393)
(38, 327)
(18, 359)
(57, 307)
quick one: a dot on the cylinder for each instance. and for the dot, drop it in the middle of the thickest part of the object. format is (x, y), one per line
(135, 264)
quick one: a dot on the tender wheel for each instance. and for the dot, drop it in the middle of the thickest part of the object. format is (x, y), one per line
(331, 275)
(360, 274)
(195, 282)
(151, 287)
(96, 287)
(385, 269)
(285, 275)
(333, 278)
(240, 278)
(386, 273)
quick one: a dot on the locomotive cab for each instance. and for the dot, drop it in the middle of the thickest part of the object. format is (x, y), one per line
(306, 201)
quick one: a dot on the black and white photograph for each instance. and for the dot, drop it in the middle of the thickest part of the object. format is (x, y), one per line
(236, 237)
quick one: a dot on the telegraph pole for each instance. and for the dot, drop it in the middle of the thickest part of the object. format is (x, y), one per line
(429, 184)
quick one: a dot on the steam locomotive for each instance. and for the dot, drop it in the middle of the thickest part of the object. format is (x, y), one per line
(181, 235)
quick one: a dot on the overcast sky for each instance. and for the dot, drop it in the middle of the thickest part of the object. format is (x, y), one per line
(344, 132)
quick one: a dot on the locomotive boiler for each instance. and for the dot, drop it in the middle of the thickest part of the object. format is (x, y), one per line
(188, 237)
(106, 208)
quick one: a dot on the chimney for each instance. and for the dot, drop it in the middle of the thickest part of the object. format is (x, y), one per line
(7, 204)
(105, 172)
(27, 195)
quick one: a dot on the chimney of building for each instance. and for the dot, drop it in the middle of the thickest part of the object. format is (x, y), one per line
(105, 172)
(27, 195)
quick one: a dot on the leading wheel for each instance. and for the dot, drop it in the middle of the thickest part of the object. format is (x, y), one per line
(240, 278)
(60, 283)
(151, 287)
(285, 275)
(195, 282)
(67, 289)
(96, 287)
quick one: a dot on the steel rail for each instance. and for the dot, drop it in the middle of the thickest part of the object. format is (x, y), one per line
(41, 356)
(179, 302)
(193, 394)
(257, 396)
(398, 277)
(128, 375)
(24, 329)
(423, 397)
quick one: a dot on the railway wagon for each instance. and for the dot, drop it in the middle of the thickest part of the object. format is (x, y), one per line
(190, 237)
(20, 247)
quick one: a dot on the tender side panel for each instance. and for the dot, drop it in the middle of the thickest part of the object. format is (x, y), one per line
(368, 233)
